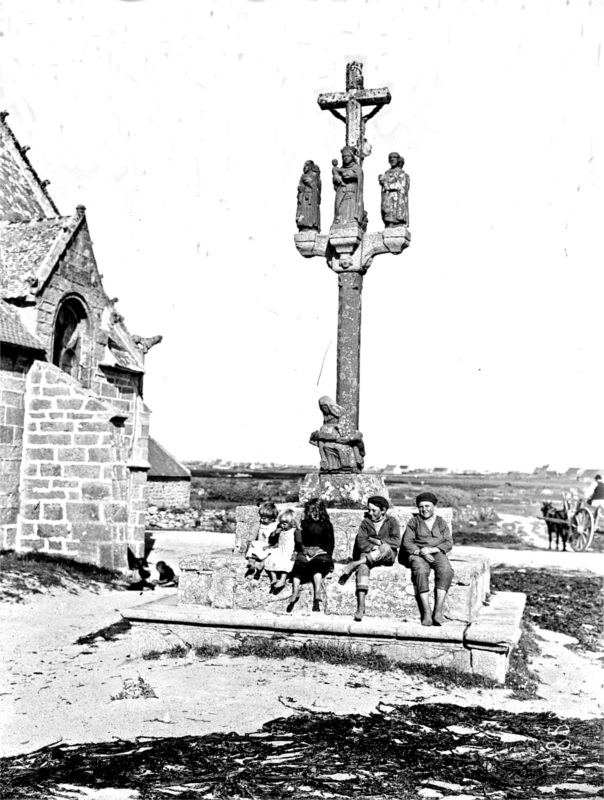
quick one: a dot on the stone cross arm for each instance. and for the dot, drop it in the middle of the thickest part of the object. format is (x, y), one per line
(364, 97)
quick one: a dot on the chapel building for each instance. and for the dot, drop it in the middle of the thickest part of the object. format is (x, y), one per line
(74, 428)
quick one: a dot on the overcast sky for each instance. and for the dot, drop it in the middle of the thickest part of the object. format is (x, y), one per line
(183, 127)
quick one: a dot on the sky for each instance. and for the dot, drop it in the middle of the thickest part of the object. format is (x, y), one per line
(183, 128)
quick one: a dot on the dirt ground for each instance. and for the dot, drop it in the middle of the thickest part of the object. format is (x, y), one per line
(55, 689)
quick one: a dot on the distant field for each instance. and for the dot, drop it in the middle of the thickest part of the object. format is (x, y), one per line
(501, 493)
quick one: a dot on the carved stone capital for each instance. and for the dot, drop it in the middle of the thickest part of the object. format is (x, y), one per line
(345, 238)
(311, 243)
(390, 240)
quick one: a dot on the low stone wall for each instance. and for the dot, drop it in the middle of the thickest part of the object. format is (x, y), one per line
(219, 582)
(345, 523)
(168, 493)
(193, 519)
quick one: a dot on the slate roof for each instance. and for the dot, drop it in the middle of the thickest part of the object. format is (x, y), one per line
(23, 196)
(13, 331)
(164, 464)
(23, 247)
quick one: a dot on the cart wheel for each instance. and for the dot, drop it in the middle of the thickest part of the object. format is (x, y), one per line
(582, 530)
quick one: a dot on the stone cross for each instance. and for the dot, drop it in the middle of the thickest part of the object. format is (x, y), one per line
(348, 248)
(353, 100)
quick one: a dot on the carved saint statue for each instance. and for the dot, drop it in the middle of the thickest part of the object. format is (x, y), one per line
(395, 193)
(308, 211)
(348, 183)
(341, 447)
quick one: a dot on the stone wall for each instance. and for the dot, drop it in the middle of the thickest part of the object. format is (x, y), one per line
(77, 485)
(169, 492)
(13, 370)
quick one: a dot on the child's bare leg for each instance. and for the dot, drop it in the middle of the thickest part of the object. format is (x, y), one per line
(317, 580)
(424, 605)
(350, 568)
(439, 599)
(272, 576)
(361, 595)
(281, 579)
(295, 594)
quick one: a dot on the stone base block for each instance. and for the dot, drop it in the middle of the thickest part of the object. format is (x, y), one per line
(219, 582)
(345, 524)
(343, 489)
(160, 625)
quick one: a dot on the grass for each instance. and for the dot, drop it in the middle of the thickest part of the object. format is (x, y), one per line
(23, 574)
(520, 679)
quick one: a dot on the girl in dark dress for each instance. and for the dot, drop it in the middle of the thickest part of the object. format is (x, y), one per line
(314, 543)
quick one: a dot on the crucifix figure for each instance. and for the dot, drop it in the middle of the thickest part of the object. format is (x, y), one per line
(348, 248)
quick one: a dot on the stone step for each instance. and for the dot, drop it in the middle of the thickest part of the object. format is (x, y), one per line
(481, 648)
(219, 582)
(345, 524)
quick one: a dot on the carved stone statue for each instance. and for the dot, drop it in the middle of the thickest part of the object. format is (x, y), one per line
(341, 448)
(395, 193)
(348, 183)
(308, 211)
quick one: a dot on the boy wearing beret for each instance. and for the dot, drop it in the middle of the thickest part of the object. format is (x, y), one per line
(426, 542)
(376, 545)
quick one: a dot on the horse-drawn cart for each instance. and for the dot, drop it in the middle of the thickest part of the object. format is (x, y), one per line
(576, 522)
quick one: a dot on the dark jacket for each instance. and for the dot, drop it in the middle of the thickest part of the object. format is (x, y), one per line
(389, 533)
(315, 535)
(418, 534)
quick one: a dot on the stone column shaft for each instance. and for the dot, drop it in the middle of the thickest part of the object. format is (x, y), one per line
(350, 287)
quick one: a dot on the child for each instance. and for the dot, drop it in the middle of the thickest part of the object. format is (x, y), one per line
(166, 576)
(279, 562)
(258, 550)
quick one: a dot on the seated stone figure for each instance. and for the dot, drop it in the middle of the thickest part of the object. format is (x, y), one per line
(341, 447)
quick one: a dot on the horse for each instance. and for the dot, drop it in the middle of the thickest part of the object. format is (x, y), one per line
(555, 528)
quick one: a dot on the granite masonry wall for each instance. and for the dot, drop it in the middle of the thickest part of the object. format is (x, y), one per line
(168, 493)
(13, 371)
(79, 495)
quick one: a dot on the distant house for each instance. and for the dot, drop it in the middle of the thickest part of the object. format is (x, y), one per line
(573, 472)
(589, 473)
(541, 470)
(168, 481)
(396, 469)
(441, 470)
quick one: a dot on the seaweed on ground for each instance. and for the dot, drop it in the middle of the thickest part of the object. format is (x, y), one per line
(395, 752)
(562, 601)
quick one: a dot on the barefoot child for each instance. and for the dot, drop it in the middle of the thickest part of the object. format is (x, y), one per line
(278, 563)
(259, 549)
(426, 542)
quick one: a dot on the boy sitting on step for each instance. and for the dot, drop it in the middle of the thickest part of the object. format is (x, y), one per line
(376, 545)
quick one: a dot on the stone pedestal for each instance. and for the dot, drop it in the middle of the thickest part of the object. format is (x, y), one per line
(343, 489)
(220, 582)
(217, 604)
(345, 525)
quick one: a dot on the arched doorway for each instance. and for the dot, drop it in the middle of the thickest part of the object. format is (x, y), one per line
(71, 339)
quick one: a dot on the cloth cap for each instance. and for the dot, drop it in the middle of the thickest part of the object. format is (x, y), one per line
(378, 501)
(426, 497)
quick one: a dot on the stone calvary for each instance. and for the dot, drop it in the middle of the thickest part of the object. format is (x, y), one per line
(226, 598)
(349, 251)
